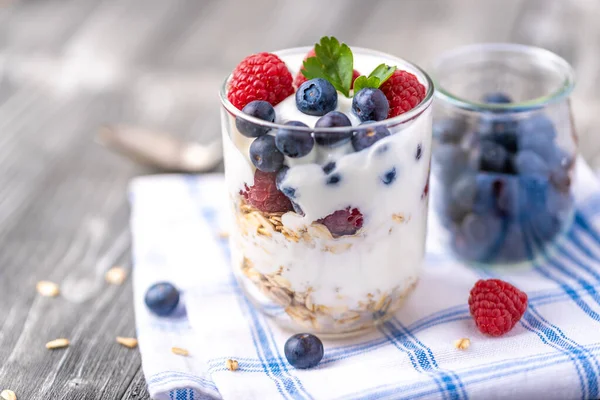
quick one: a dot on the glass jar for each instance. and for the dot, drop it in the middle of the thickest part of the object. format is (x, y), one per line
(339, 247)
(504, 151)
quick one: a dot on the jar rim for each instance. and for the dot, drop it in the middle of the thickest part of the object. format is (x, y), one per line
(559, 94)
(394, 121)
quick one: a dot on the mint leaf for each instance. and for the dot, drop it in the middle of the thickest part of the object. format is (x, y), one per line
(383, 72)
(333, 62)
(363, 82)
(375, 79)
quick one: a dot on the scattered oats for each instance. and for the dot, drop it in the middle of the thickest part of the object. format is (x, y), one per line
(8, 395)
(47, 288)
(462, 344)
(116, 276)
(223, 234)
(127, 341)
(57, 344)
(179, 351)
(399, 218)
(232, 365)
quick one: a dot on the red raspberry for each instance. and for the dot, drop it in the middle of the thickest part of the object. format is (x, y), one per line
(300, 79)
(404, 91)
(262, 76)
(264, 194)
(343, 222)
(496, 306)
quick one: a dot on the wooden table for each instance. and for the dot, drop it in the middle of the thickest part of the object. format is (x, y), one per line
(67, 67)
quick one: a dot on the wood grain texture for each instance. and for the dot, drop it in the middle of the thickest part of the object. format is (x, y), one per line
(66, 67)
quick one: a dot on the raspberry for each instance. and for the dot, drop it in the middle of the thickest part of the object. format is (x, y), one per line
(343, 222)
(262, 76)
(300, 79)
(496, 306)
(403, 92)
(264, 194)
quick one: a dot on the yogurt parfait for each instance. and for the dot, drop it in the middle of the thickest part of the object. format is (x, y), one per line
(327, 160)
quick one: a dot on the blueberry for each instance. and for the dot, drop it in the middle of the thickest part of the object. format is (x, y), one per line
(538, 134)
(497, 123)
(294, 143)
(493, 157)
(264, 154)
(508, 140)
(513, 248)
(464, 191)
(331, 120)
(290, 192)
(304, 350)
(559, 202)
(419, 151)
(497, 98)
(450, 130)
(162, 298)
(508, 199)
(533, 192)
(545, 226)
(450, 162)
(527, 162)
(259, 109)
(366, 136)
(488, 188)
(330, 166)
(389, 177)
(334, 179)
(316, 97)
(370, 105)
(479, 235)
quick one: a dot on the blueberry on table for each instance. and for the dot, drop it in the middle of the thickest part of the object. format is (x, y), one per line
(370, 105)
(493, 157)
(304, 350)
(259, 109)
(162, 298)
(316, 97)
(333, 119)
(264, 154)
(527, 162)
(367, 135)
(450, 130)
(292, 142)
(497, 98)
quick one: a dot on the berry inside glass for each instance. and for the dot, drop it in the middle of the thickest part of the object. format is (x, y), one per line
(329, 196)
(504, 151)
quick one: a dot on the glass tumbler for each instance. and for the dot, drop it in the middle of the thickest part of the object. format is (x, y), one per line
(332, 242)
(504, 151)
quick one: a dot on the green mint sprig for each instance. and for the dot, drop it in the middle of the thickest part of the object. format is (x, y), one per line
(334, 62)
(375, 79)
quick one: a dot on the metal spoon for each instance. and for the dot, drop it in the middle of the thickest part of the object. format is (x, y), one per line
(160, 150)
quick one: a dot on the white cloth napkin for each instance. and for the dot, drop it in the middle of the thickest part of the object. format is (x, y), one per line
(553, 353)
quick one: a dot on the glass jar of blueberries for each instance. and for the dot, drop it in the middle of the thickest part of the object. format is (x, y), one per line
(504, 151)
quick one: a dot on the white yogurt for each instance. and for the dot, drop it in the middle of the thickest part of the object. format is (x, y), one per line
(387, 252)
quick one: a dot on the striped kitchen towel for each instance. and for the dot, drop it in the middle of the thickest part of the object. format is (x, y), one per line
(553, 353)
